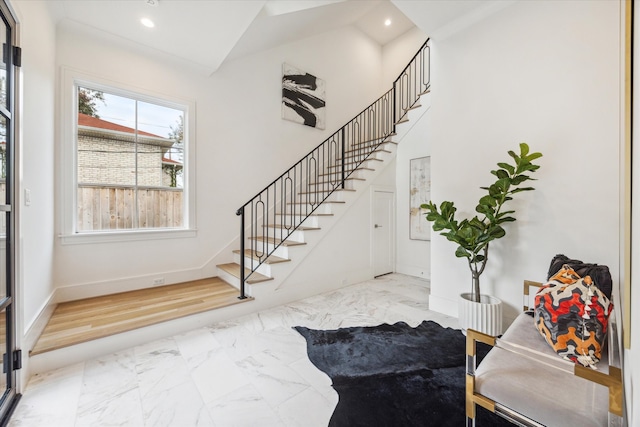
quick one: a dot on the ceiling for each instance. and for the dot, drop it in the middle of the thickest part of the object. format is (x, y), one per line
(205, 33)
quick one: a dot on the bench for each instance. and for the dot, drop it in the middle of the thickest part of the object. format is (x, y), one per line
(523, 380)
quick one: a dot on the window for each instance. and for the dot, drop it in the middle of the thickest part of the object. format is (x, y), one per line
(130, 157)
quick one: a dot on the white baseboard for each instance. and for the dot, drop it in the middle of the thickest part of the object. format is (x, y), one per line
(38, 324)
(412, 270)
(31, 335)
(443, 305)
(124, 284)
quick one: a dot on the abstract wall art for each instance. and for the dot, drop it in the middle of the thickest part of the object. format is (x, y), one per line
(303, 97)
(420, 193)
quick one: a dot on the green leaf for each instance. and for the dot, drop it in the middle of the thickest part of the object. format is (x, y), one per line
(477, 224)
(497, 232)
(440, 224)
(508, 167)
(521, 189)
(484, 209)
(488, 201)
(519, 179)
(524, 149)
(478, 258)
(500, 173)
(501, 214)
(515, 157)
(495, 191)
(462, 253)
(534, 156)
(503, 184)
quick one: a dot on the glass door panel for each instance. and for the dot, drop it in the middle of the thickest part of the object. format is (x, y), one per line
(9, 361)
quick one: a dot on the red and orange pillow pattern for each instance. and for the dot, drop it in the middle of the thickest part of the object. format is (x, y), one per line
(572, 314)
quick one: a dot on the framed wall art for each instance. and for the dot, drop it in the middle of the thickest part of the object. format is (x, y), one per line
(419, 193)
(303, 97)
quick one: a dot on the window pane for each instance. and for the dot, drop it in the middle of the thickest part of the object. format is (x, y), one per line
(160, 161)
(130, 163)
(3, 65)
(3, 346)
(3, 174)
(106, 161)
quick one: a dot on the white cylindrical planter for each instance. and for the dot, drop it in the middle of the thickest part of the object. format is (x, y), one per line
(484, 316)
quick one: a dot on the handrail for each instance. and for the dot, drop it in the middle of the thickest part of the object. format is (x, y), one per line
(297, 193)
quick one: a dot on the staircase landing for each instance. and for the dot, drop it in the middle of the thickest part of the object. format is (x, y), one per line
(79, 321)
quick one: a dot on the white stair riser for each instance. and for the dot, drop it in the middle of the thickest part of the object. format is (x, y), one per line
(304, 210)
(367, 163)
(281, 252)
(282, 234)
(312, 221)
(355, 174)
(360, 154)
(264, 268)
(328, 186)
(232, 280)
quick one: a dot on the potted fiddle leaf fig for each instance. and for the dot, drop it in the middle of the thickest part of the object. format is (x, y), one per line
(473, 235)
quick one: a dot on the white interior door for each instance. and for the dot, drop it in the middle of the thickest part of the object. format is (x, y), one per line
(383, 227)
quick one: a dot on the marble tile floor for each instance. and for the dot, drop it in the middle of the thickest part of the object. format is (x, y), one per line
(250, 371)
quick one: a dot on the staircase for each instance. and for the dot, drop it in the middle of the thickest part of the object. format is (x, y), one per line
(274, 223)
(275, 228)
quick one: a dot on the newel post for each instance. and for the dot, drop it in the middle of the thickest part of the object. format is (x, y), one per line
(240, 213)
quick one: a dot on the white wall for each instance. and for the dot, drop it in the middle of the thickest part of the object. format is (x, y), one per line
(397, 53)
(242, 143)
(545, 73)
(37, 39)
(413, 257)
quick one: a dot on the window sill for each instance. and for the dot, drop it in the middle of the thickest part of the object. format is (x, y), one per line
(125, 236)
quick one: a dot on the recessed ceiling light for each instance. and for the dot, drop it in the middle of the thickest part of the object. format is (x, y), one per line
(387, 22)
(147, 22)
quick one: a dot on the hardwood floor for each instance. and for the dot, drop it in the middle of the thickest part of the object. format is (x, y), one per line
(79, 321)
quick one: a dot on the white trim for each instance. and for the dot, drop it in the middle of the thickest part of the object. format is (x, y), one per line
(37, 324)
(67, 159)
(126, 236)
(124, 284)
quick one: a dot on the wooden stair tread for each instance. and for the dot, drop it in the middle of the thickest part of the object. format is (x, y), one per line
(350, 160)
(403, 119)
(271, 259)
(307, 203)
(273, 241)
(335, 183)
(375, 150)
(386, 141)
(347, 171)
(372, 159)
(234, 269)
(305, 215)
(300, 228)
(323, 192)
(80, 321)
(367, 141)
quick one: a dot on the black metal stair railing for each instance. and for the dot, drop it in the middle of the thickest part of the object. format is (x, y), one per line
(276, 212)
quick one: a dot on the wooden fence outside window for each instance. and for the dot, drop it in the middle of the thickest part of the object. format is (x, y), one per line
(112, 207)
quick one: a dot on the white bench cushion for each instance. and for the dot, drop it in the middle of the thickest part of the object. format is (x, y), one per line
(548, 395)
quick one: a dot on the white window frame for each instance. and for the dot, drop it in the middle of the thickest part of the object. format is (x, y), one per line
(67, 173)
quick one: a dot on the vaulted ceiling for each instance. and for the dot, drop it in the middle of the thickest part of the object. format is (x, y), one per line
(205, 33)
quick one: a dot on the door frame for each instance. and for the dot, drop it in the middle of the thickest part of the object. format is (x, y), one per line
(11, 394)
(393, 224)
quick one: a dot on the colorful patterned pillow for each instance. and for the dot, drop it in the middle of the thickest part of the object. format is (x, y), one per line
(572, 314)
